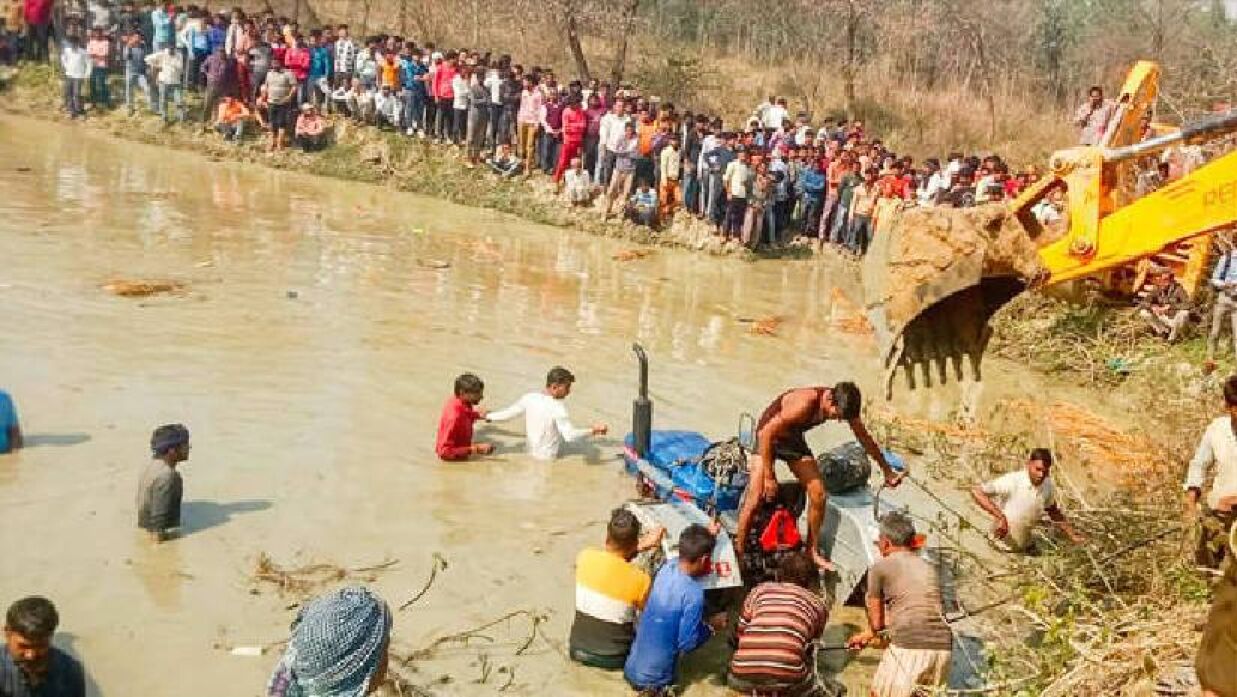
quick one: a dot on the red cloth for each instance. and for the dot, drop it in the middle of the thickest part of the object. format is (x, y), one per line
(575, 124)
(455, 430)
(570, 149)
(38, 11)
(297, 60)
(441, 86)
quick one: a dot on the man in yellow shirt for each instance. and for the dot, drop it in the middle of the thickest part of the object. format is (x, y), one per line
(609, 594)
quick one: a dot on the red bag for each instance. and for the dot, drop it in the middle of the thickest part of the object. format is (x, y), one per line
(781, 533)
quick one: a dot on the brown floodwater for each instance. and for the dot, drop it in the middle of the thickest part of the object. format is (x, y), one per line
(321, 330)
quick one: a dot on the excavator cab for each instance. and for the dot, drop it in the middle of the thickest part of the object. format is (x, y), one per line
(934, 277)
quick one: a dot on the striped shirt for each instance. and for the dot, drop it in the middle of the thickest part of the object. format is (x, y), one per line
(778, 623)
(609, 592)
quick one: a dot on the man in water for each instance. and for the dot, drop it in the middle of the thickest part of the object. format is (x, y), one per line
(546, 421)
(161, 487)
(780, 435)
(29, 664)
(1025, 496)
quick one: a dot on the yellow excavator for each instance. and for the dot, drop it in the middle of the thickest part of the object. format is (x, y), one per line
(933, 277)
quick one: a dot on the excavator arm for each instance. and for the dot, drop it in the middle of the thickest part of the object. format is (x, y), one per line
(1199, 203)
(934, 277)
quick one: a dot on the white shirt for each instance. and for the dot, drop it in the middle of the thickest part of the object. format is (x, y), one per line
(578, 184)
(76, 62)
(170, 66)
(610, 131)
(1217, 447)
(546, 424)
(1024, 503)
(459, 87)
(774, 116)
(494, 82)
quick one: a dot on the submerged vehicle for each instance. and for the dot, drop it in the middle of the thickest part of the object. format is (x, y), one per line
(934, 277)
(682, 477)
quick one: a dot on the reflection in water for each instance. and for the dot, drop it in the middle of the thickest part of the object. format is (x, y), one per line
(161, 570)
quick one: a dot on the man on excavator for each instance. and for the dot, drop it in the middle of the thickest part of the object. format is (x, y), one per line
(780, 435)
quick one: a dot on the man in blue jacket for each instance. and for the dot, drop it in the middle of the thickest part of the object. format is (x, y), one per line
(673, 622)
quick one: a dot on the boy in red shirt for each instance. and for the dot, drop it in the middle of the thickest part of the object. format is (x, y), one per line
(455, 425)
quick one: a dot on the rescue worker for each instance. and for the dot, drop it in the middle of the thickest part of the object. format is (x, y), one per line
(780, 436)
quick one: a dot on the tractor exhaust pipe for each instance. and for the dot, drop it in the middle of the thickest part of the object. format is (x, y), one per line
(642, 408)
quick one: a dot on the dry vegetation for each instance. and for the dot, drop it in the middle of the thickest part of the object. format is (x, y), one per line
(930, 75)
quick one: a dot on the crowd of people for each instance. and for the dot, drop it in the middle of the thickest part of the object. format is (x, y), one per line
(769, 179)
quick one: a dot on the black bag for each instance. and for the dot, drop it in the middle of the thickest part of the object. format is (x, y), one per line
(845, 468)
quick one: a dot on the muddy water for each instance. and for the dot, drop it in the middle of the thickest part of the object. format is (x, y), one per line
(321, 330)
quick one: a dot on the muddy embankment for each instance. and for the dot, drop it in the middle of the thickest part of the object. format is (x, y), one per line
(374, 156)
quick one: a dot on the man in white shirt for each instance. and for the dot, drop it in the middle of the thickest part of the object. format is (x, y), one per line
(76, 64)
(1026, 495)
(609, 140)
(775, 116)
(579, 189)
(546, 421)
(1217, 450)
(170, 68)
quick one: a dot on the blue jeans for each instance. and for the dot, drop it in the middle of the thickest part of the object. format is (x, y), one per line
(860, 234)
(73, 96)
(98, 87)
(811, 213)
(840, 232)
(133, 82)
(691, 191)
(171, 94)
(414, 107)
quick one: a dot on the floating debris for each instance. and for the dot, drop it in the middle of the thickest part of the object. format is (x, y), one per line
(141, 289)
(631, 254)
(433, 263)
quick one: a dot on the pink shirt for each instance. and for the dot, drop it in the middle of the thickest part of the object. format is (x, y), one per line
(98, 49)
(530, 107)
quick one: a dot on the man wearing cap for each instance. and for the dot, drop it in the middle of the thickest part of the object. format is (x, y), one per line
(160, 488)
(546, 422)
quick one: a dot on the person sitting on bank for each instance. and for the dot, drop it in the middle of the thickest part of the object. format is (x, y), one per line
(161, 488)
(579, 186)
(1167, 307)
(339, 647)
(10, 429)
(310, 129)
(1216, 453)
(780, 436)
(504, 163)
(455, 426)
(642, 207)
(904, 600)
(29, 665)
(1025, 495)
(546, 422)
(673, 623)
(230, 119)
(779, 622)
(610, 592)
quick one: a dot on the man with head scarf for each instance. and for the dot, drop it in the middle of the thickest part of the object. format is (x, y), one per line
(160, 489)
(338, 647)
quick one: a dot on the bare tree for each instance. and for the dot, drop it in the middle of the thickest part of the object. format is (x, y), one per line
(624, 29)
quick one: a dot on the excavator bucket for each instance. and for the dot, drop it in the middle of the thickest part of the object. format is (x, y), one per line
(932, 279)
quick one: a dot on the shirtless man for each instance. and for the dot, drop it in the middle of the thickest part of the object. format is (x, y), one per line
(779, 435)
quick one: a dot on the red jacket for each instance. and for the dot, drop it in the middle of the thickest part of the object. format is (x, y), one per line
(575, 124)
(441, 87)
(297, 60)
(38, 11)
(455, 430)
